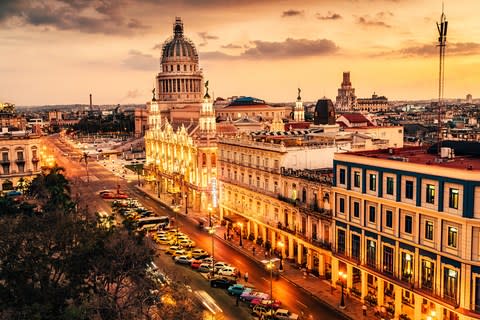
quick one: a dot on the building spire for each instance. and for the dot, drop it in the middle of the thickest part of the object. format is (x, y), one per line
(299, 98)
(178, 27)
(206, 96)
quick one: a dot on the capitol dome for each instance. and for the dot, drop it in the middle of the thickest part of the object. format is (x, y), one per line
(180, 80)
(179, 48)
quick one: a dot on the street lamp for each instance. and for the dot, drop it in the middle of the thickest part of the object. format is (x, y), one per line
(186, 203)
(281, 245)
(210, 216)
(270, 266)
(432, 315)
(241, 233)
(212, 232)
(343, 277)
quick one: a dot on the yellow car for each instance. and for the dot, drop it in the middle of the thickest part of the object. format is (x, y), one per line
(179, 252)
(172, 249)
(164, 240)
(186, 243)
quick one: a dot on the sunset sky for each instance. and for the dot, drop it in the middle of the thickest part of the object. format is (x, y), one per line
(59, 51)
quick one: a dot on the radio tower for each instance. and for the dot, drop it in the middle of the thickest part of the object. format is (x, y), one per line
(442, 42)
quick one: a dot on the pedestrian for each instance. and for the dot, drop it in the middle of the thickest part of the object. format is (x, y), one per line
(224, 236)
(246, 276)
(266, 253)
(364, 310)
(239, 275)
(253, 250)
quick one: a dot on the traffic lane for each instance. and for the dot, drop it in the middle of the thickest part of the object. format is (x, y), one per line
(184, 273)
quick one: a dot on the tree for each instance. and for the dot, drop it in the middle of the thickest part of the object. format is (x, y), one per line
(63, 264)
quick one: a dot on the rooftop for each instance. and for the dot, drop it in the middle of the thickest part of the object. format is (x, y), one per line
(461, 159)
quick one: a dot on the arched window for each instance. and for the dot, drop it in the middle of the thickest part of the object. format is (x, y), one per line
(214, 160)
(304, 194)
(294, 191)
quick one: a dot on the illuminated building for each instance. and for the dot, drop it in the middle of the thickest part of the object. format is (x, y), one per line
(407, 229)
(346, 99)
(20, 155)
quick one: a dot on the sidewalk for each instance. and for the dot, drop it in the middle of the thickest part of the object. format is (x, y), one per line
(318, 288)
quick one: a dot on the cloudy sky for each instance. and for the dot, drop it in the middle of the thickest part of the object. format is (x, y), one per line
(59, 51)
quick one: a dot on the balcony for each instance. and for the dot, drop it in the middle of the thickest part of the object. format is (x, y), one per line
(20, 160)
(315, 210)
(5, 161)
(35, 159)
(288, 200)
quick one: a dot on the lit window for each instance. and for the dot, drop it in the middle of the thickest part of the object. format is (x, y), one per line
(429, 230)
(430, 196)
(453, 198)
(452, 237)
(373, 182)
(356, 179)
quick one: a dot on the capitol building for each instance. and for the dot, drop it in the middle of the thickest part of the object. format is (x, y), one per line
(180, 141)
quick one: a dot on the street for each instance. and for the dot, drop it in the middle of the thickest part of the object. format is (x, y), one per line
(100, 178)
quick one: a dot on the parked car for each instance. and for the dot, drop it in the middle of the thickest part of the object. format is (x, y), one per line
(199, 254)
(182, 259)
(274, 304)
(238, 289)
(223, 283)
(220, 265)
(179, 252)
(186, 243)
(249, 296)
(164, 240)
(172, 249)
(228, 271)
(195, 264)
(284, 314)
(262, 311)
(208, 260)
(205, 268)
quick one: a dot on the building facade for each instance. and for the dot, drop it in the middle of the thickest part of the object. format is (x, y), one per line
(262, 190)
(374, 104)
(20, 159)
(407, 232)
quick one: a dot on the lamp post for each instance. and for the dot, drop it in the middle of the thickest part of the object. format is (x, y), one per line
(281, 245)
(212, 232)
(210, 216)
(241, 233)
(432, 315)
(186, 202)
(270, 266)
(343, 277)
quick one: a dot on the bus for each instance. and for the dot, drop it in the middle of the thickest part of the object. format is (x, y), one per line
(150, 223)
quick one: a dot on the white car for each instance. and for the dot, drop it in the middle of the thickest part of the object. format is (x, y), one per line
(220, 265)
(186, 243)
(284, 314)
(228, 271)
(205, 268)
(208, 260)
(182, 259)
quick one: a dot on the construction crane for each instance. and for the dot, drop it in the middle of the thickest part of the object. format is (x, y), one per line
(442, 42)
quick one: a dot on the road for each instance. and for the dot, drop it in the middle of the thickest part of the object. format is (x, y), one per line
(100, 178)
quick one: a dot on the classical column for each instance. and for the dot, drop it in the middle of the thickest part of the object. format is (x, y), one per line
(290, 247)
(282, 237)
(249, 227)
(310, 254)
(255, 230)
(398, 301)
(299, 253)
(439, 311)
(349, 276)
(264, 233)
(380, 291)
(321, 264)
(364, 285)
(334, 272)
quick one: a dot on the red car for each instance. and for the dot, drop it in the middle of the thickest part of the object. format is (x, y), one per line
(195, 264)
(275, 304)
(111, 195)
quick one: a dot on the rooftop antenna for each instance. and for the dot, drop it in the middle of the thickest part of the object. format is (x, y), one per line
(442, 42)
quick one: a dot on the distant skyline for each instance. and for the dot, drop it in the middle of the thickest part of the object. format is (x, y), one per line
(60, 51)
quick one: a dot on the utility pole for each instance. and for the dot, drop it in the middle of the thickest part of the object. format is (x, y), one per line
(442, 43)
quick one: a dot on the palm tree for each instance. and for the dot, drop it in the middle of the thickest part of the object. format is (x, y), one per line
(52, 189)
(84, 158)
